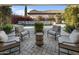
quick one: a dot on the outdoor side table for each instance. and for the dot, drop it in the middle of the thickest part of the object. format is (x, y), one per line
(39, 39)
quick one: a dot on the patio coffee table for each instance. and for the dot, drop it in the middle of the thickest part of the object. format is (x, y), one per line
(39, 39)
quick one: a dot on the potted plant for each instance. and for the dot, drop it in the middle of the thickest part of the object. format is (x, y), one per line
(7, 28)
(38, 27)
(39, 33)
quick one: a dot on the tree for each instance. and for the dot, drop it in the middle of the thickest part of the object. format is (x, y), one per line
(25, 10)
(71, 17)
(5, 14)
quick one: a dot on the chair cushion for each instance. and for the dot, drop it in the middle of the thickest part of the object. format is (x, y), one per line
(52, 32)
(19, 28)
(63, 39)
(13, 39)
(74, 36)
(56, 28)
(3, 36)
(24, 32)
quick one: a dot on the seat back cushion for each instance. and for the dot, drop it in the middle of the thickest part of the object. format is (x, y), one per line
(19, 28)
(57, 29)
(74, 36)
(3, 36)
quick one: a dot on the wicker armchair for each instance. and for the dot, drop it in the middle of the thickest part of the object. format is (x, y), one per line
(21, 32)
(7, 46)
(55, 31)
(70, 43)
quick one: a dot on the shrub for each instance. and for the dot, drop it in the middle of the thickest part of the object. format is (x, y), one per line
(16, 18)
(71, 18)
(77, 26)
(1, 27)
(7, 28)
(69, 29)
(38, 27)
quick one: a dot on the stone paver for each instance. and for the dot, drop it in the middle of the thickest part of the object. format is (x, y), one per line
(28, 46)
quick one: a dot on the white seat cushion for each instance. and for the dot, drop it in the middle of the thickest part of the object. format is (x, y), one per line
(19, 28)
(24, 32)
(3, 36)
(13, 39)
(52, 32)
(74, 36)
(63, 39)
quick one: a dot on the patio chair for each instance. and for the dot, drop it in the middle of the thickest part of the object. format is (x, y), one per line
(21, 32)
(9, 45)
(70, 43)
(55, 31)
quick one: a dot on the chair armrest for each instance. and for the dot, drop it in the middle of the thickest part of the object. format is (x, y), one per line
(9, 41)
(11, 35)
(49, 30)
(24, 32)
(69, 43)
(64, 35)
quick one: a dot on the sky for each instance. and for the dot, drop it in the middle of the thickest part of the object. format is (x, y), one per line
(19, 10)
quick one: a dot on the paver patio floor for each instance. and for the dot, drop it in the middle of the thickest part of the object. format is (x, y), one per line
(28, 46)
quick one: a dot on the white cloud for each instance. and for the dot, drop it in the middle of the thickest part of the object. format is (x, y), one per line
(19, 12)
(29, 10)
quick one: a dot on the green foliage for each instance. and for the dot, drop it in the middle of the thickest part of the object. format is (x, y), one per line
(71, 17)
(7, 28)
(5, 12)
(69, 29)
(1, 27)
(38, 27)
(77, 26)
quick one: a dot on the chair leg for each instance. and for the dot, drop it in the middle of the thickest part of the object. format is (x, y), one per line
(19, 49)
(21, 37)
(10, 51)
(68, 52)
(47, 34)
(58, 48)
(29, 34)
